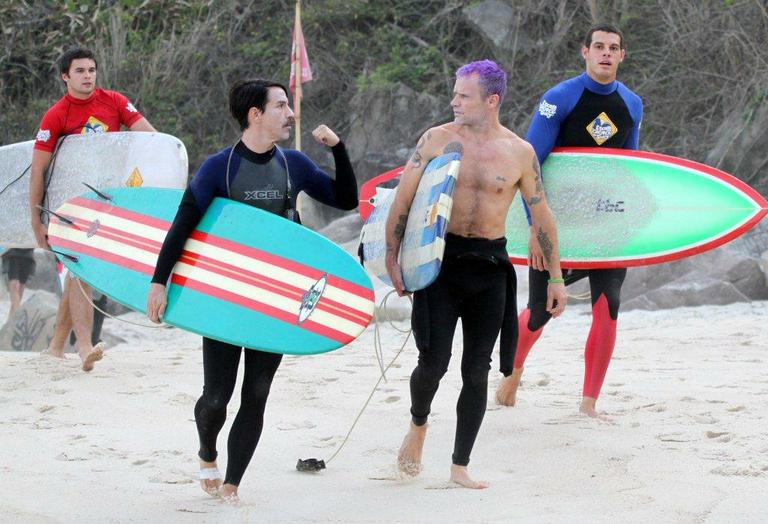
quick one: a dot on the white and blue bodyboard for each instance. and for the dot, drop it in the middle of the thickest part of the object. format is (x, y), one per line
(423, 244)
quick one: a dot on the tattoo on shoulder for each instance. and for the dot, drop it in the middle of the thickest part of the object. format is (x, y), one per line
(454, 147)
(416, 158)
(545, 243)
(535, 165)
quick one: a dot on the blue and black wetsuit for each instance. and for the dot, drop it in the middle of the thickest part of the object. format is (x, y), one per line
(580, 112)
(260, 180)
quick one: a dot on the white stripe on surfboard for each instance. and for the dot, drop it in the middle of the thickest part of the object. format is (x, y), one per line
(360, 306)
(234, 258)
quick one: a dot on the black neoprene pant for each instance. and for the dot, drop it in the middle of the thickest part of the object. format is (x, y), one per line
(606, 282)
(473, 290)
(220, 363)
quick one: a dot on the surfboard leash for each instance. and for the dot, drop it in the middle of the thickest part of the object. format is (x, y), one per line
(97, 308)
(313, 464)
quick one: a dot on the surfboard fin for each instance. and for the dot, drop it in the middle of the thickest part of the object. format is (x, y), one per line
(71, 258)
(310, 465)
(99, 194)
(54, 213)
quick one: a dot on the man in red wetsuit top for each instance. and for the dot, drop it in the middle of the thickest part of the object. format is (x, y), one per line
(83, 109)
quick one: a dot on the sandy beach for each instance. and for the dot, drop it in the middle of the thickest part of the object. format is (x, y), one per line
(687, 392)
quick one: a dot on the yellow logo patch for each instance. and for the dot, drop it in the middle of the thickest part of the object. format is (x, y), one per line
(601, 128)
(135, 180)
(94, 125)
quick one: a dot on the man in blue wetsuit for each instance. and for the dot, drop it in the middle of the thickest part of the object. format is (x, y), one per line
(591, 110)
(257, 172)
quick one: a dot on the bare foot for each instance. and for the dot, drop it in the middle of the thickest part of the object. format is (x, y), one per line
(228, 493)
(96, 354)
(210, 478)
(409, 456)
(507, 392)
(588, 408)
(460, 476)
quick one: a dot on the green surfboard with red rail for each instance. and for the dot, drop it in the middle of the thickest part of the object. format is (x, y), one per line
(622, 208)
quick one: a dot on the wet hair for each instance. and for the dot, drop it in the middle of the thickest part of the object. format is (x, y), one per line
(606, 28)
(245, 94)
(74, 53)
(493, 79)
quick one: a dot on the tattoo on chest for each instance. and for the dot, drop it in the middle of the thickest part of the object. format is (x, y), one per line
(454, 147)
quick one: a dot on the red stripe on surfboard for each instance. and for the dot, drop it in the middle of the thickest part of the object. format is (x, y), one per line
(276, 260)
(658, 259)
(682, 162)
(230, 245)
(206, 289)
(228, 270)
(118, 235)
(121, 212)
(107, 256)
(263, 308)
(273, 285)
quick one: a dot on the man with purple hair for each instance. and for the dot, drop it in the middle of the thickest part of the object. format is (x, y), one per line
(476, 282)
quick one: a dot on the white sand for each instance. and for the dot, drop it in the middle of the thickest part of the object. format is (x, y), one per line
(688, 391)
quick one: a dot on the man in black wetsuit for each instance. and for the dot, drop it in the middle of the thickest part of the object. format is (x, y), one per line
(257, 172)
(476, 281)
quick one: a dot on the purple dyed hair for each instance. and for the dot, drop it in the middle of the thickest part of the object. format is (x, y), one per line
(493, 79)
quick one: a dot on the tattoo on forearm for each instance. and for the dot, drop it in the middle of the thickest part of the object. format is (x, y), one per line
(454, 147)
(534, 200)
(402, 221)
(539, 185)
(416, 158)
(545, 243)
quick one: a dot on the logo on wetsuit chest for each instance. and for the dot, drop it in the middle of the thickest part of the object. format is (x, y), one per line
(601, 128)
(311, 298)
(268, 193)
(610, 207)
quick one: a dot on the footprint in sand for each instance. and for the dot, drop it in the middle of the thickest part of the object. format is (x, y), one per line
(720, 436)
(705, 418)
(735, 409)
(391, 399)
(291, 426)
(673, 437)
(45, 408)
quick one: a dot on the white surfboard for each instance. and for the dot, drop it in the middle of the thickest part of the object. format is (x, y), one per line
(127, 159)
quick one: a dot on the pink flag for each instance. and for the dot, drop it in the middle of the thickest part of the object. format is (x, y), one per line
(299, 55)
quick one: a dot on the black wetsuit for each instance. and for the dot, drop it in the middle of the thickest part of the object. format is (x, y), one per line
(259, 180)
(477, 284)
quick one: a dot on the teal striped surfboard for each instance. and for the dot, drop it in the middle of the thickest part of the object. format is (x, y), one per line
(246, 277)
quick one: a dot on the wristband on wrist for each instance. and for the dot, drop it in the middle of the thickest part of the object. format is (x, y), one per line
(556, 281)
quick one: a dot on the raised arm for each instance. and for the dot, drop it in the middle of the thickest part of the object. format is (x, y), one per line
(543, 223)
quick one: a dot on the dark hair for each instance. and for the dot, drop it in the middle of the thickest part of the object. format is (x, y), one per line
(74, 53)
(607, 28)
(245, 94)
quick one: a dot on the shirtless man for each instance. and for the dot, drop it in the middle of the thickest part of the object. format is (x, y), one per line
(474, 281)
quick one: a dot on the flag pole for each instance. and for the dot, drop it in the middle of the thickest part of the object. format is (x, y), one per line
(297, 47)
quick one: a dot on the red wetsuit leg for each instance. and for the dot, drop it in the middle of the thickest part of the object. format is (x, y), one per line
(600, 344)
(525, 338)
